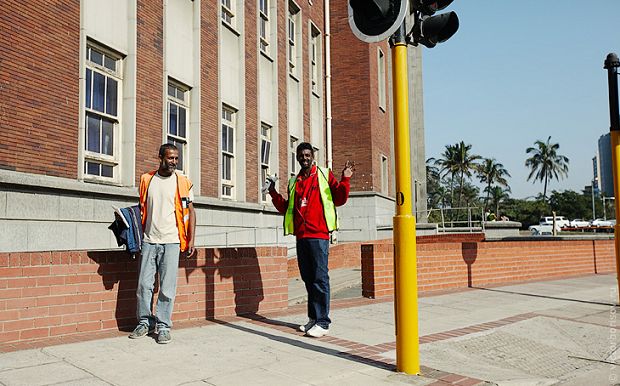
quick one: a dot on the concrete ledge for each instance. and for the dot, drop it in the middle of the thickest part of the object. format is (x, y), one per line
(495, 230)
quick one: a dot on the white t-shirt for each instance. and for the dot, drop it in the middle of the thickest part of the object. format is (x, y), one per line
(161, 222)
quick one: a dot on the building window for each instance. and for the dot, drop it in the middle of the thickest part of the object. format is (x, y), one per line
(264, 26)
(292, 38)
(178, 112)
(384, 174)
(381, 67)
(228, 151)
(293, 153)
(103, 85)
(228, 14)
(265, 153)
(315, 55)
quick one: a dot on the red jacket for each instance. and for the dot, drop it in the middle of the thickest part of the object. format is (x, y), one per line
(308, 218)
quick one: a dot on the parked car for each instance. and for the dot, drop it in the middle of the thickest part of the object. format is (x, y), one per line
(539, 230)
(579, 223)
(560, 221)
(599, 222)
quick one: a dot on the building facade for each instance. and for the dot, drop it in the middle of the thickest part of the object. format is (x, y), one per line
(88, 96)
(605, 173)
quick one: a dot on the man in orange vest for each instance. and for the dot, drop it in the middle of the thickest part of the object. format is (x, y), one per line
(169, 223)
(310, 214)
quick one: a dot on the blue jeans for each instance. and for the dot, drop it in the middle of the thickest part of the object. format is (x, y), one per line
(312, 256)
(164, 260)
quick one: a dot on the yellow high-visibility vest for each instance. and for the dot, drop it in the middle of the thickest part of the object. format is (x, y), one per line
(329, 209)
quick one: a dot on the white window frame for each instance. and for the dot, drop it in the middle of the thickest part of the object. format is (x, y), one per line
(293, 142)
(227, 12)
(315, 59)
(381, 79)
(264, 26)
(180, 100)
(292, 37)
(104, 68)
(229, 117)
(265, 162)
(385, 172)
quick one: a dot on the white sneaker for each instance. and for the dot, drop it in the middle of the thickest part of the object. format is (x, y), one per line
(317, 331)
(307, 326)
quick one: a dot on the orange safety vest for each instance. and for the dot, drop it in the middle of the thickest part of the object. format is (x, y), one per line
(181, 204)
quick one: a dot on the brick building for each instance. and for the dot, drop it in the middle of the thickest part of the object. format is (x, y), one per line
(90, 89)
(87, 96)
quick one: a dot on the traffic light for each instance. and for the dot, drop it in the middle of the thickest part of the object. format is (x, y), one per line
(430, 29)
(376, 20)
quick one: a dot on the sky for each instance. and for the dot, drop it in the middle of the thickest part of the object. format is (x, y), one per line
(518, 71)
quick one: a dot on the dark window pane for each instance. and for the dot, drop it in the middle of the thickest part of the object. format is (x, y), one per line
(231, 141)
(181, 94)
(98, 91)
(265, 148)
(110, 63)
(107, 171)
(182, 122)
(224, 137)
(171, 90)
(172, 128)
(89, 87)
(111, 100)
(181, 148)
(96, 56)
(93, 142)
(92, 168)
(107, 140)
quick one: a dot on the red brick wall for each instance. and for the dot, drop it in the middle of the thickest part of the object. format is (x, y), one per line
(452, 265)
(252, 122)
(149, 85)
(39, 106)
(209, 105)
(52, 294)
(361, 130)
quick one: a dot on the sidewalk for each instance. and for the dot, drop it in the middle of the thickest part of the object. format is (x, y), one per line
(543, 333)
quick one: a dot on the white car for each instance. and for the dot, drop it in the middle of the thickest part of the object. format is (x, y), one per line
(599, 222)
(539, 230)
(560, 221)
(579, 223)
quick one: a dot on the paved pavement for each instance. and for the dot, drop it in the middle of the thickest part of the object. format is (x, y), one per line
(542, 333)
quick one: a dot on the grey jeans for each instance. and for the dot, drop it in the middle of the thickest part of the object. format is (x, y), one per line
(164, 260)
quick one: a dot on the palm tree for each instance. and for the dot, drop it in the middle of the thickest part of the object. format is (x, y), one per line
(498, 195)
(492, 172)
(545, 163)
(447, 166)
(465, 164)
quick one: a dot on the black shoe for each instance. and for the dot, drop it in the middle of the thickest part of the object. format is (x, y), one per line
(164, 337)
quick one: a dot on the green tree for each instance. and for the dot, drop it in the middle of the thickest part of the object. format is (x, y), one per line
(545, 163)
(498, 196)
(447, 165)
(492, 172)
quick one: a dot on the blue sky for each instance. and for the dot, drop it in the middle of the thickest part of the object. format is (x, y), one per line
(518, 71)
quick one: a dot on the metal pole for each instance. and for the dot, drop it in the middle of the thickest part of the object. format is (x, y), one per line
(611, 65)
(405, 259)
(593, 208)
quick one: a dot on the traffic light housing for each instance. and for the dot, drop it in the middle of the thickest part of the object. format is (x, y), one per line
(430, 29)
(375, 20)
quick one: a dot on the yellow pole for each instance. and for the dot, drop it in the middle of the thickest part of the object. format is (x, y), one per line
(405, 259)
(611, 65)
(615, 162)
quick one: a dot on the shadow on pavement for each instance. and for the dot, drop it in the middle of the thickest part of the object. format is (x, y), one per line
(301, 344)
(546, 296)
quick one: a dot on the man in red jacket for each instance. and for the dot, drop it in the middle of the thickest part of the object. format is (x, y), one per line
(310, 213)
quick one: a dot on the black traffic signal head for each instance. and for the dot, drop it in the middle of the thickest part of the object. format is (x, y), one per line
(375, 20)
(430, 29)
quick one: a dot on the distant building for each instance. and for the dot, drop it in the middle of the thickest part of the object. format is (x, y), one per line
(605, 175)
